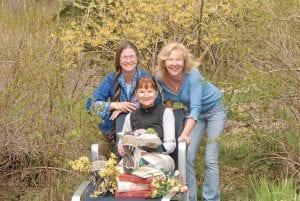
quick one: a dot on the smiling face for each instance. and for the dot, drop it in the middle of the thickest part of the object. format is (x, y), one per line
(146, 92)
(128, 60)
(174, 64)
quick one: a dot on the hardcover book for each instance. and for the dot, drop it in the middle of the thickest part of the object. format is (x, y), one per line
(134, 178)
(124, 186)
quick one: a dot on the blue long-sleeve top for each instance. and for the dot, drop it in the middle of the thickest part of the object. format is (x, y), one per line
(100, 100)
(196, 93)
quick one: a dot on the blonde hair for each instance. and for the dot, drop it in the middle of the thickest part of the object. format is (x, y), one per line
(189, 61)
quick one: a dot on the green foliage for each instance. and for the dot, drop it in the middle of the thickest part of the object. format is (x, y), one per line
(269, 191)
(293, 140)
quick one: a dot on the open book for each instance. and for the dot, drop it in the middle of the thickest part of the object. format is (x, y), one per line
(149, 140)
(146, 171)
(144, 139)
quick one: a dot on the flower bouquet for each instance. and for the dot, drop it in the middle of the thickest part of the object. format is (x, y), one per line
(171, 183)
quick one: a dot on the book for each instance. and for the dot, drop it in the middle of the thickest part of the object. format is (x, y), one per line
(143, 139)
(134, 178)
(124, 186)
(133, 194)
(149, 140)
(146, 171)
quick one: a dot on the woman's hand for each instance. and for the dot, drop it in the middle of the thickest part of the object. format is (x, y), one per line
(115, 114)
(122, 106)
(185, 138)
(185, 135)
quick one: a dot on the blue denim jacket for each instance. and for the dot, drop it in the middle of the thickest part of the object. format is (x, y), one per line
(196, 93)
(101, 98)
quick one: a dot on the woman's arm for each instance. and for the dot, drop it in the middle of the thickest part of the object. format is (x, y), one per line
(195, 80)
(98, 102)
(169, 142)
(122, 106)
(189, 125)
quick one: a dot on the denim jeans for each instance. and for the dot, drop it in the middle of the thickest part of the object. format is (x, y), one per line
(214, 121)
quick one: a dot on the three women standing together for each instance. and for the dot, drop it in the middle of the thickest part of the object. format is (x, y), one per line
(181, 81)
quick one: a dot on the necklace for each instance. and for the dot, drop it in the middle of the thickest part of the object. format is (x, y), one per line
(173, 85)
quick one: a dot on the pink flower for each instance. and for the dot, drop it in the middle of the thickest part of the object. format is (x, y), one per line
(184, 189)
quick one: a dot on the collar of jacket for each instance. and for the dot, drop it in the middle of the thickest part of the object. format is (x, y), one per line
(149, 109)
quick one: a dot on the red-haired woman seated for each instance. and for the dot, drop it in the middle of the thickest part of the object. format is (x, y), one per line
(150, 124)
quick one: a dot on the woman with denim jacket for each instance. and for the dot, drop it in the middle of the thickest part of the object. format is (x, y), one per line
(181, 81)
(115, 94)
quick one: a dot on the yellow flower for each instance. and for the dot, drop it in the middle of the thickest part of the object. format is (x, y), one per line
(154, 193)
(102, 173)
(83, 164)
(172, 182)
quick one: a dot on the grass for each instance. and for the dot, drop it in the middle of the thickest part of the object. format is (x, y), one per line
(265, 190)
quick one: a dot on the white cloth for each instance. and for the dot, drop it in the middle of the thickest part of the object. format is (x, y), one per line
(160, 161)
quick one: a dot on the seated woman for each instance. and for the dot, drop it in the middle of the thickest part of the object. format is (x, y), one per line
(150, 116)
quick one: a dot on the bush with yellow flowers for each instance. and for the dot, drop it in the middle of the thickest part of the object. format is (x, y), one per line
(105, 179)
(83, 164)
(171, 183)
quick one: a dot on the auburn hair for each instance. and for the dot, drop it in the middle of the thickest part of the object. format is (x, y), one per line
(146, 83)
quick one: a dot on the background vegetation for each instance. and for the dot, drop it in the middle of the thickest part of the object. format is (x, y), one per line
(53, 55)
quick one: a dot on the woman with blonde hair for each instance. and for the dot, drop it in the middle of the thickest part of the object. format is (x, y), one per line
(181, 81)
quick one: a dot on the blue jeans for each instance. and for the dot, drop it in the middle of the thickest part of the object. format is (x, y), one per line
(214, 121)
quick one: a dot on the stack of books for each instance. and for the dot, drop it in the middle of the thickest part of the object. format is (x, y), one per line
(132, 186)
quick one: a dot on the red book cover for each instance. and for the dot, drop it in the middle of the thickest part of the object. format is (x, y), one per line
(134, 179)
(133, 194)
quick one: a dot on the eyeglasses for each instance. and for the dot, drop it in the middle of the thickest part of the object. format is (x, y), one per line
(131, 57)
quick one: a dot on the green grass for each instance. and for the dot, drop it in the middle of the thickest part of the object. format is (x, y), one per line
(266, 190)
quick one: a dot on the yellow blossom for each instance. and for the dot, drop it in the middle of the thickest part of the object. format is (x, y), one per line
(154, 193)
(83, 164)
